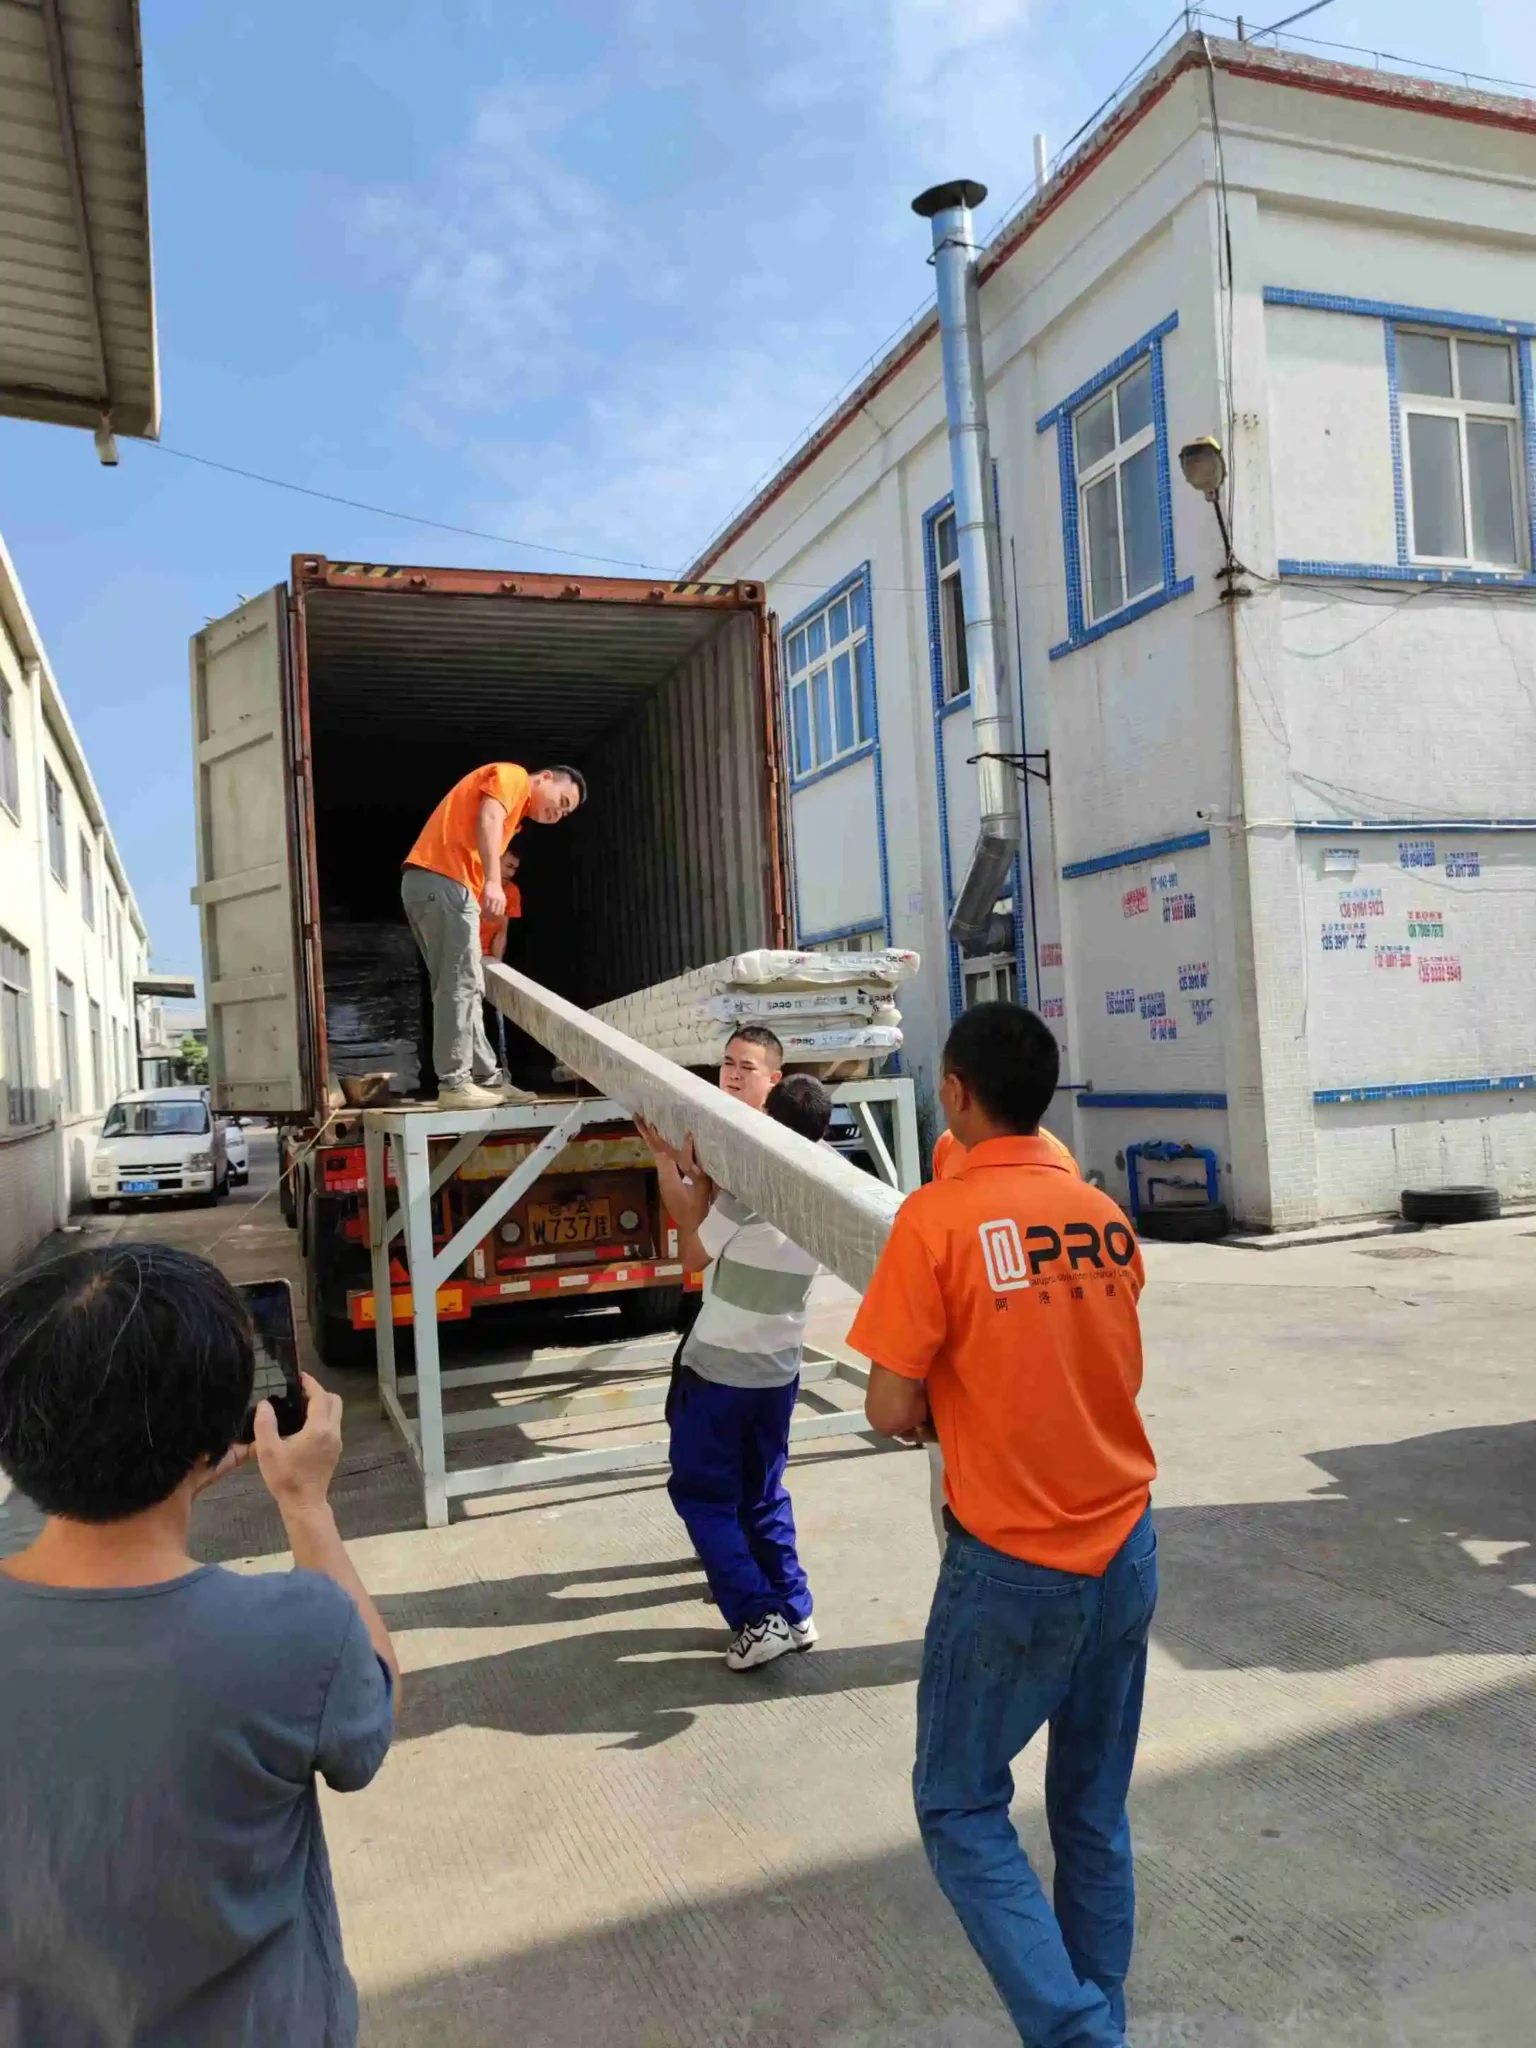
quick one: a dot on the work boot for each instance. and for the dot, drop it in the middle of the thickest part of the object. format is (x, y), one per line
(469, 1095)
(510, 1093)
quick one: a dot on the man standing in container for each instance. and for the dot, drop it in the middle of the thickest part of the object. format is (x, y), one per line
(452, 873)
(1003, 1315)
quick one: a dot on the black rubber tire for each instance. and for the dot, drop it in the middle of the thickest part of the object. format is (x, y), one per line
(336, 1343)
(1450, 1205)
(1186, 1222)
(221, 1190)
(99, 1208)
(646, 1310)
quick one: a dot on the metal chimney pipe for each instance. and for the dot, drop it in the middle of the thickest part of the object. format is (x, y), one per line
(981, 579)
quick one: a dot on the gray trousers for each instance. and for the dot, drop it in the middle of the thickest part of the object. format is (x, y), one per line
(445, 922)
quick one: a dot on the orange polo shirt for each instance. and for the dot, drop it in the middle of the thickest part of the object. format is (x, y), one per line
(490, 926)
(449, 844)
(1011, 1290)
(949, 1154)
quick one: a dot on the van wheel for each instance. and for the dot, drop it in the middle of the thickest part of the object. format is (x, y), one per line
(99, 1208)
(1186, 1222)
(221, 1190)
(646, 1310)
(1450, 1205)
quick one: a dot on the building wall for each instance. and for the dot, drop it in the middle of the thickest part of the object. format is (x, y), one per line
(1214, 757)
(47, 1141)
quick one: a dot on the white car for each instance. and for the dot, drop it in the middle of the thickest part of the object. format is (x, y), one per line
(156, 1142)
(238, 1152)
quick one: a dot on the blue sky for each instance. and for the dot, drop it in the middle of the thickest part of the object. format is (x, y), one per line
(577, 273)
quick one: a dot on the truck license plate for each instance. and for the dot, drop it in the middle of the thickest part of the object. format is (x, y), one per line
(141, 1187)
(568, 1223)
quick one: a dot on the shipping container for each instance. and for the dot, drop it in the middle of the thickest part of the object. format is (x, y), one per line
(329, 716)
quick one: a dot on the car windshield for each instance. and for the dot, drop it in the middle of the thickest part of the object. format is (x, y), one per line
(155, 1120)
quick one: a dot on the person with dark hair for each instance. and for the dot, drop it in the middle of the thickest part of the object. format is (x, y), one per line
(736, 1377)
(452, 874)
(163, 1871)
(1002, 1315)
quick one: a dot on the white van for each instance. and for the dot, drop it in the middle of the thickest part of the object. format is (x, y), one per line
(159, 1141)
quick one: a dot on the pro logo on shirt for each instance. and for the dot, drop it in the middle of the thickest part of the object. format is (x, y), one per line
(1003, 1250)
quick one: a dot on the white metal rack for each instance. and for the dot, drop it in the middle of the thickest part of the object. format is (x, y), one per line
(607, 1379)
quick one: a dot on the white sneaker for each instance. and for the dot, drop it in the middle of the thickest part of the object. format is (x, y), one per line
(512, 1094)
(470, 1095)
(803, 1633)
(759, 1643)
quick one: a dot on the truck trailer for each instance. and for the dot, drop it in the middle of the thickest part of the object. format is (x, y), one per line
(329, 716)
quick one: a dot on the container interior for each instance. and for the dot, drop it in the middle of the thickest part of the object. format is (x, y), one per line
(668, 865)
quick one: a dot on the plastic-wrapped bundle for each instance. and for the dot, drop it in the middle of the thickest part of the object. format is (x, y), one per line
(373, 1002)
(768, 968)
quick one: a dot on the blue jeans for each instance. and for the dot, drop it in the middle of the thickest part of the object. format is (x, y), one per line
(729, 1449)
(1012, 1648)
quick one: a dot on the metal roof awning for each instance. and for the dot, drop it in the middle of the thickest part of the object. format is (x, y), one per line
(77, 312)
(180, 988)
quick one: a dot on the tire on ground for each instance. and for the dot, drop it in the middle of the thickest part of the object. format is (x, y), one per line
(336, 1343)
(1185, 1222)
(1450, 1205)
(644, 1310)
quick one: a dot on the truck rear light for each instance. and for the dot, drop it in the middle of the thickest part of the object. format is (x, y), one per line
(629, 1219)
(511, 1233)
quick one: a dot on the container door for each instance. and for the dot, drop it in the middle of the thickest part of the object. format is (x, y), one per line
(780, 827)
(248, 874)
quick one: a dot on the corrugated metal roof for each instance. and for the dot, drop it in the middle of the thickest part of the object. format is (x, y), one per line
(77, 317)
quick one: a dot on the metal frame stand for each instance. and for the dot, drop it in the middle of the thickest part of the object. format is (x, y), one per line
(905, 1171)
(611, 1379)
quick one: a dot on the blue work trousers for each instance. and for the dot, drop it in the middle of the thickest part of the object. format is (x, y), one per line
(729, 1449)
(1013, 1648)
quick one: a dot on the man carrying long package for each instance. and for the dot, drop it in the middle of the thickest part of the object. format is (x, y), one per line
(452, 873)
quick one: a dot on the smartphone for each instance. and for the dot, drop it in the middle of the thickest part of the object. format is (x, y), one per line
(269, 1304)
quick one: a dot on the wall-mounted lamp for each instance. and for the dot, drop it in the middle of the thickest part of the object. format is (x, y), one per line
(1204, 469)
(1204, 466)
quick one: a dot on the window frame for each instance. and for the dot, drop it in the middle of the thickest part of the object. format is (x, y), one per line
(1112, 464)
(1435, 406)
(10, 753)
(954, 670)
(87, 881)
(18, 1090)
(69, 1045)
(58, 835)
(800, 677)
(98, 1071)
(1082, 629)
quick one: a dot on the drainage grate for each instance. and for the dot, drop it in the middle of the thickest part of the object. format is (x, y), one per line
(1403, 1251)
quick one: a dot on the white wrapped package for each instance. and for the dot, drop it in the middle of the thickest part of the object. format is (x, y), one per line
(766, 967)
(833, 1211)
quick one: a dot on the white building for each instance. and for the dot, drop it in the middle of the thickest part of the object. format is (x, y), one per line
(72, 943)
(1279, 894)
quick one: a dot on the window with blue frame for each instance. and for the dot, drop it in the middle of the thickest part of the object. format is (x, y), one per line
(830, 677)
(1460, 428)
(1116, 497)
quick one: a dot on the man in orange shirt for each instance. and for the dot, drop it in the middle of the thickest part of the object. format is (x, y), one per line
(451, 873)
(1002, 1316)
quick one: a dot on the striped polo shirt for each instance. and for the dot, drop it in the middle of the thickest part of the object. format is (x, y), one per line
(752, 1318)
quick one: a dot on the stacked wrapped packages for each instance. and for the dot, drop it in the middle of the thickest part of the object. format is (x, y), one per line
(829, 1010)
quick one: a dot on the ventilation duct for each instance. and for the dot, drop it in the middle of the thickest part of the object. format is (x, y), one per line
(988, 877)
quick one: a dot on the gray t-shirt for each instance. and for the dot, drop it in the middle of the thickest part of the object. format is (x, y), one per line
(163, 1874)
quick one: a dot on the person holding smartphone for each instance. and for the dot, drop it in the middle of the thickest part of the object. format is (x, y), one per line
(163, 1870)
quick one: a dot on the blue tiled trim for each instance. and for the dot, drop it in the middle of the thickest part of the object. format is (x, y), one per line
(1117, 368)
(1172, 1099)
(869, 749)
(1151, 603)
(1528, 435)
(1079, 632)
(860, 753)
(1386, 309)
(841, 931)
(1395, 430)
(1416, 572)
(1342, 827)
(1396, 1091)
(931, 519)
(1133, 856)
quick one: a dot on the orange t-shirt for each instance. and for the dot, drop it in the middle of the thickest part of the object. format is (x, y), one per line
(490, 926)
(1011, 1289)
(949, 1154)
(448, 844)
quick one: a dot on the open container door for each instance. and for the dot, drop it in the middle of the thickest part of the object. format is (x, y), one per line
(250, 874)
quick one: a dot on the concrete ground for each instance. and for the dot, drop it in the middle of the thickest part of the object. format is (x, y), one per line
(589, 1833)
